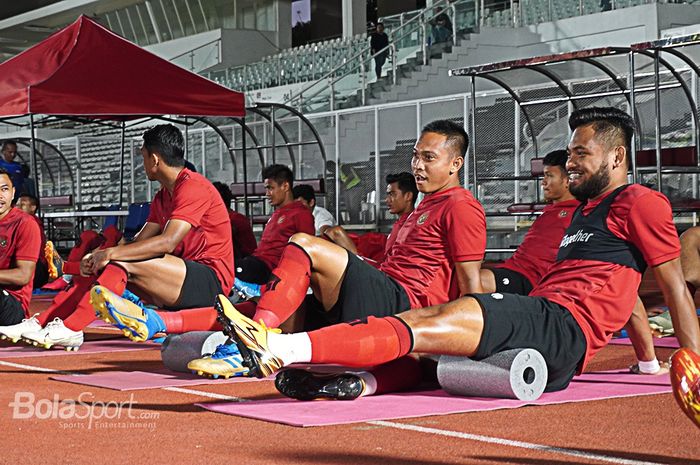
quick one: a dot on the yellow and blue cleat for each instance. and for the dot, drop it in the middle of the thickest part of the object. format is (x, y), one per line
(136, 322)
(225, 362)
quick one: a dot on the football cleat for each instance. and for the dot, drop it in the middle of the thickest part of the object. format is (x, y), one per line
(137, 323)
(685, 379)
(54, 334)
(13, 333)
(306, 385)
(224, 362)
(250, 337)
(53, 260)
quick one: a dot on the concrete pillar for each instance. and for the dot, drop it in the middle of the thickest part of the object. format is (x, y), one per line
(354, 17)
(284, 23)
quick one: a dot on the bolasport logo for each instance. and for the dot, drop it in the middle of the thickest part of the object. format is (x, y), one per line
(83, 412)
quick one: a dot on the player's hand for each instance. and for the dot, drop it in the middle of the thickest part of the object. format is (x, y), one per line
(100, 258)
(86, 265)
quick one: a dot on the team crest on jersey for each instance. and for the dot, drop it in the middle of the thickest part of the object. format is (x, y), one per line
(281, 220)
(563, 214)
(3, 241)
(423, 218)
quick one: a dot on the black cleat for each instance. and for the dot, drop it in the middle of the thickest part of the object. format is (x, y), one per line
(306, 385)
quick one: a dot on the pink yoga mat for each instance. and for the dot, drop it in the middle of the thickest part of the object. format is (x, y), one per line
(590, 386)
(132, 380)
(663, 342)
(89, 347)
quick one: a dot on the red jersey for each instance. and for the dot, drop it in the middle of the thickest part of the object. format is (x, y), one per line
(20, 239)
(243, 235)
(600, 295)
(539, 248)
(394, 231)
(447, 227)
(284, 223)
(195, 200)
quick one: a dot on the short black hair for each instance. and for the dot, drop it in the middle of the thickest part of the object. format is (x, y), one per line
(304, 191)
(166, 140)
(556, 158)
(406, 182)
(612, 126)
(224, 192)
(455, 133)
(7, 142)
(32, 199)
(279, 174)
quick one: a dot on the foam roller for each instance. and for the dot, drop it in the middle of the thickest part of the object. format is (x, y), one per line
(512, 374)
(180, 349)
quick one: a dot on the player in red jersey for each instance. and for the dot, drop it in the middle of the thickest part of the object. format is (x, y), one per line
(446, 234)
(181, 258)
(401, 197)
(290, 217)
(571, 313)
(29, 205)
(537, 252)
(20, 240)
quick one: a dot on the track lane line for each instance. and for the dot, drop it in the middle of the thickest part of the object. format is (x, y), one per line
(511, 443)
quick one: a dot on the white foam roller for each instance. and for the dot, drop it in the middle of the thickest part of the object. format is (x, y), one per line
(513, 374)
(180, 349)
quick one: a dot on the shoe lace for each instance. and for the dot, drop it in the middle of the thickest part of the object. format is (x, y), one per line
(31, 318)
(271, 330)
(225, 351)
(133, 298)
(56, 322)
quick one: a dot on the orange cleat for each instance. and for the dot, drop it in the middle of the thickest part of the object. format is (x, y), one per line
(685, 378)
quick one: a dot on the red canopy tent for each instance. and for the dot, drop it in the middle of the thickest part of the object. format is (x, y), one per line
(87, 70)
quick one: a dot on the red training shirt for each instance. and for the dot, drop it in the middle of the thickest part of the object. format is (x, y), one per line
(20, 239)
(243, 236)
(284, 223)
(447, 227)
(196, 201)
(601, 295)
(541, 244)
(394, 231)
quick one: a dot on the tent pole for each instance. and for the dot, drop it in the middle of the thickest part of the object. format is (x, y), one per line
(33, 158)
(245, 171)
(121, 171)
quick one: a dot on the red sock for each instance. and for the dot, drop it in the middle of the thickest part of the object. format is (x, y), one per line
(65, 301)
(191, 319)
(89, 240)
(72, 268)
(285, 291)
(113, 277)
(361, 343)
(398, 375)
(112, 236)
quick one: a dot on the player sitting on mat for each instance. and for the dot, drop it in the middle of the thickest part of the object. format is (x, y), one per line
(569, 316)
(20, 241)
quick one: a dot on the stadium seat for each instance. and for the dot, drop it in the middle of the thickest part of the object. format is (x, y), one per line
(138, 214)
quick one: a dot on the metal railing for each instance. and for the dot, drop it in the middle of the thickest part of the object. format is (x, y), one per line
(201, 57)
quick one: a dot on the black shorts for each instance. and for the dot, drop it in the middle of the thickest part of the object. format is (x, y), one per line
(366, 291)
(200, 288)
(252, 270)
(11, 311)
(511, 281)
(521, 322)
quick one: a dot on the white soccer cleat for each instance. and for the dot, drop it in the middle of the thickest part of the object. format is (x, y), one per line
(13, 333)
(55, 334)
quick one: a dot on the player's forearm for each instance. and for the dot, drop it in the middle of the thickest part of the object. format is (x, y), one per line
(685, 320)
(14, 277)
(152, 247)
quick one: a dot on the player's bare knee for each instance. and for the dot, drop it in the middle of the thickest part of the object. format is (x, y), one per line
(303, 240)
(691, 238)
